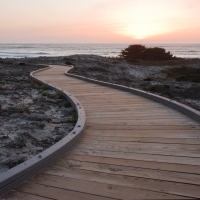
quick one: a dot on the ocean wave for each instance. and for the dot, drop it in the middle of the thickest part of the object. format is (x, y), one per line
(37, 50)
(12, 54)
(36, 53)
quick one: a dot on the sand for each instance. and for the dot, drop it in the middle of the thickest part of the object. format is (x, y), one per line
(32, 117)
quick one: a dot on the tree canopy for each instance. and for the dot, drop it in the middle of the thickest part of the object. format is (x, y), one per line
(141, 52)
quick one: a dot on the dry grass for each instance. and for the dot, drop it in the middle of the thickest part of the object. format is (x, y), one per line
(175, 62)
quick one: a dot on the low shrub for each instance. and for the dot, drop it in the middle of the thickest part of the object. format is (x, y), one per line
(195, 78)
(37, 117)
(43, 88)
(70, 119)
(33, 83)
(158, 88)
(16, 161)
(38, 125)
(184, 74)
(161, 89)
(18, 109)
(147, 79)
(192, 92)
(22, 64)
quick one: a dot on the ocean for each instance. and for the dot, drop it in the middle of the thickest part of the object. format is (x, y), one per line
(107, 50)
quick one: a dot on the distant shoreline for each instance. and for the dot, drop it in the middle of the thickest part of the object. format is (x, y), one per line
(106, 50)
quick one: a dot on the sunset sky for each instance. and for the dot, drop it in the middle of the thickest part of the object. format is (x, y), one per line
(99, 21)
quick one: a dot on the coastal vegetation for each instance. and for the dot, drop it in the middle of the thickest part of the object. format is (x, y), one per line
(184, 74)
(29, 110)
(31, 115)
(134, 52)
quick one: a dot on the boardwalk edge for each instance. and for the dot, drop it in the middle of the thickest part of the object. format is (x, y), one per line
(19, 174)
(163, 100)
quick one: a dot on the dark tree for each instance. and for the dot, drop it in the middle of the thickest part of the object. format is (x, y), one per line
(133, 52)
(141, 52)
(156, 54)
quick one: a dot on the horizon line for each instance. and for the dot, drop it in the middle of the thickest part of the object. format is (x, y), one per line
(97, 43)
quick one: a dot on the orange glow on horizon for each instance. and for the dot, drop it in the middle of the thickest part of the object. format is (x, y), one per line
(100, 21)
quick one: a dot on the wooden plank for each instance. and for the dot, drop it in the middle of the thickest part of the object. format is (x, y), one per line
(137, 115)
(136, 156)
(88, 95)
(128, 113)
(16, 195)
(147, 148)
(56, 193)
(123, 110)
(129, 122)
(130, 116)
(120, 102)
(130, 105)
(85, 89)
(145, 133)
(141, 127)
(116, 106)
(100, 189)
(193, 169)
(132, 144)
(127, 181)
(110, 106)
(160, 139)
(178, 177)
(111, 98)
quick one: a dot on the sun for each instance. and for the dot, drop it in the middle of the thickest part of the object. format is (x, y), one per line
(143, 30)
(142, 20)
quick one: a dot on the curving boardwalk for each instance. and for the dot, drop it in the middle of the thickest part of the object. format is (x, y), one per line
(132, 148)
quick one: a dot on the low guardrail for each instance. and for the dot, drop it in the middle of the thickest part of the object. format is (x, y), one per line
(168, 102)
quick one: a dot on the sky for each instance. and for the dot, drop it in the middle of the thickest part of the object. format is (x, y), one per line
(99, 21)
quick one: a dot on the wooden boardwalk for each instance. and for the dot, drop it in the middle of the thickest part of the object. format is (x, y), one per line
(133, 148)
